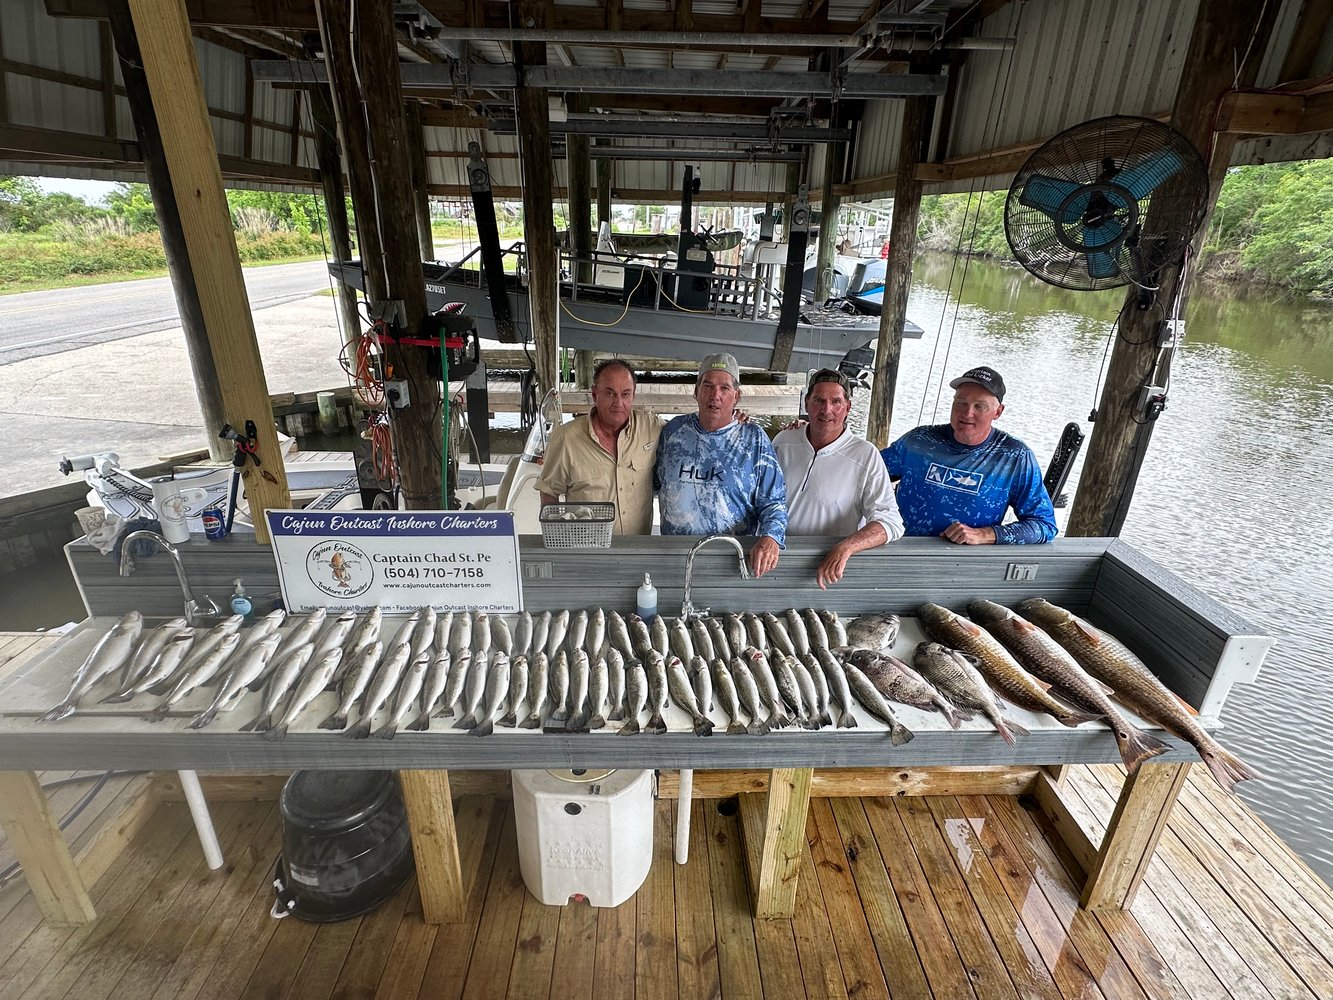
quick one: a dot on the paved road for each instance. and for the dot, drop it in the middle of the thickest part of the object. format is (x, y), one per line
(35, 324)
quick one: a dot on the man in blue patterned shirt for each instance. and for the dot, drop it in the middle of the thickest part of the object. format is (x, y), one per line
(717, 475)
(959, 479)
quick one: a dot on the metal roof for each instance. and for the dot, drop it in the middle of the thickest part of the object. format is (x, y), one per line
(1070, 60)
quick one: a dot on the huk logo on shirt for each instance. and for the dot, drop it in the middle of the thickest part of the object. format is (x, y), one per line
(699, 475)
(954, 479)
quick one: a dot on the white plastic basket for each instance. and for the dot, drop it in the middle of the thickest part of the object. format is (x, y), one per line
(577, 525)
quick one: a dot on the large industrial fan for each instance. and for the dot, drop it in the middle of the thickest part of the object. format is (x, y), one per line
(1106, 203)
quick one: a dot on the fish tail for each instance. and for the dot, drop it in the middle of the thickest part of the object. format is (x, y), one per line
(629, 728)
(360, 731)
(900, 734)
(203, 718)
(532, 721)
(262, 723)
(445, 711)
(334, 721)
(277, 733)
(735, 728)
(578, 722)
(484, 729)
(951, 714)
(1009, 730)
(509, 720)
(421, 722)
(703, 726)
(1136, 746)
(124, 694)
(617, 714)
(825, 720)
(780, 721)
(655, 723)
(466, 722)
(62, 711)
(846, 720)
(597, 722)
(1226, 767)
(387, 731)
(157, 714)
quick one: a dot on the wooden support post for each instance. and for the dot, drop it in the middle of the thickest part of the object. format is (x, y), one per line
(534, 144)
(197, 348)
(898, 279)
(578, 162)
(829, 204)
(430, 814)
(40, 847)
(335, 203)
(1131, 837)
(604, 182)
(774, 830)
(1223, 32)
(420, 172)
(167, 51)
(374, 92)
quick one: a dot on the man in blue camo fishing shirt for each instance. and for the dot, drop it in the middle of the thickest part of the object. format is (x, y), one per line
(959, 479)
(716, 475)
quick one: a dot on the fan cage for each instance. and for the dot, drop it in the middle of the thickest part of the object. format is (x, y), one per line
(1167, 214)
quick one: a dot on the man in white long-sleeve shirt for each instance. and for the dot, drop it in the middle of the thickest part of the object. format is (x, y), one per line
(836, 481)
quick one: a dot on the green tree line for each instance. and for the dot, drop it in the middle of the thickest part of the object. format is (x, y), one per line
(1273, 224)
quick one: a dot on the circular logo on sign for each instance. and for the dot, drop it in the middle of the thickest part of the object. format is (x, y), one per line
(339, 569)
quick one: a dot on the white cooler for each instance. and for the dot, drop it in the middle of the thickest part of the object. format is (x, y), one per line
(584, 833)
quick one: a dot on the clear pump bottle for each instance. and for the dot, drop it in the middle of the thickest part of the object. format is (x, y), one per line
(645, 603)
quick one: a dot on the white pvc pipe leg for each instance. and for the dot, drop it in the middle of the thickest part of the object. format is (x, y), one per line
(683, 815)
(203, 822)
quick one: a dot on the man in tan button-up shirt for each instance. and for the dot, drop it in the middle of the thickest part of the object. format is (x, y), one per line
(608, 454)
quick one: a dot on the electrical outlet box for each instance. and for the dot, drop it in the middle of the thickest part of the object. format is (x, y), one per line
(396, 392)
(1170, 333)
(1021, 571)
(1152, 401)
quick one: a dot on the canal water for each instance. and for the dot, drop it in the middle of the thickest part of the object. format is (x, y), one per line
(1233, 494)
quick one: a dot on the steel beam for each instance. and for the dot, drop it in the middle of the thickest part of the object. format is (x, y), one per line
(693, 155)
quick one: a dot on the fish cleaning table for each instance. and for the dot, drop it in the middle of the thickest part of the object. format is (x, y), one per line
(1198, 648)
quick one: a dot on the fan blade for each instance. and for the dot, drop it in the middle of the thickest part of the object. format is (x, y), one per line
(1046, 194)
(1102, 265)
(1149, 173)
(1102, 234)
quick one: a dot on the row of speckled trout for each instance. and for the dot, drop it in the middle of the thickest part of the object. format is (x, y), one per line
(577, 671)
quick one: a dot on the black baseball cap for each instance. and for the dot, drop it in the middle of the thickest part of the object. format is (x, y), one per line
(830, 375)
(988, 378)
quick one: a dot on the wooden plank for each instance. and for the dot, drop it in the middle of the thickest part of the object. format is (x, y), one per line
(898, 955)
(37, 841)
(737, 958)
(534, 956)
(164, 918)
(862, 782)
(1051, 799)
(948, 881)
(1273, 944)
(944, 969)
(479, 824)
(369, 954)
(244, 887)
(815, 944)
(328, 954)
(861, 971)
(497, 931)
(1028, 937)
(167, 50)
(53, 958)
(1095, 940)
(409, 954)
(1202, 911)
(655, 948)
(578, 939)
(613, 969)
(430, 814)
(696, 934)
(1131, 837)
(779, 830)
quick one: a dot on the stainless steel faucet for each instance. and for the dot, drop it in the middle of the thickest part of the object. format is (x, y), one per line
(688, 612)
(194, 610)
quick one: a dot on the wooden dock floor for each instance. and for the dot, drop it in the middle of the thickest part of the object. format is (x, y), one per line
(907, 897)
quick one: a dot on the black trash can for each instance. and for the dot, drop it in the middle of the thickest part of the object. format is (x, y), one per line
(346, 846)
